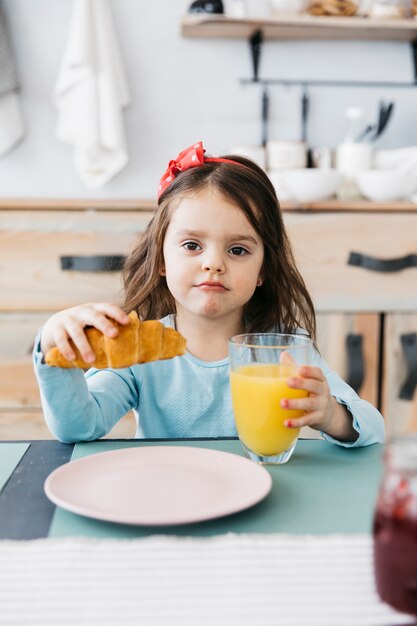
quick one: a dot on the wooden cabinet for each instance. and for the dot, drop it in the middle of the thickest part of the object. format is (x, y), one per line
(341, 256)
(349, 342)
(363, 314)
(399, 376)
(35, 283)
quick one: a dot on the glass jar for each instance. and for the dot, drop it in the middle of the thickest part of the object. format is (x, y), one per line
(395, 527)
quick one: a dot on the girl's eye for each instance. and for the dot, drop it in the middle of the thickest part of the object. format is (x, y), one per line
(191, 245)
(238, 251)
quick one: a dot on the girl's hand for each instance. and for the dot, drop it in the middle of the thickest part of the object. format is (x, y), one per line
(322, 411)
(70, 324)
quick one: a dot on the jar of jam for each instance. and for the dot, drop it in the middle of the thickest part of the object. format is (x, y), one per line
(395, 527)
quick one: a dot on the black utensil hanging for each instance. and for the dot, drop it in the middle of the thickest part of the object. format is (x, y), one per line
(265, 115)
(385, 114)
(255, 42)
(305, 109)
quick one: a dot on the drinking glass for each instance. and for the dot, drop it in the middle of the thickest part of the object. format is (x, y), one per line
(260, 364)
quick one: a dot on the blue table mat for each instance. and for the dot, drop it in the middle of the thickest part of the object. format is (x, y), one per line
(10, 455)
(323, 489)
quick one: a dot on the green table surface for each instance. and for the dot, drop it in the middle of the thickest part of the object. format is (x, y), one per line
(323, 489)
(10, 455)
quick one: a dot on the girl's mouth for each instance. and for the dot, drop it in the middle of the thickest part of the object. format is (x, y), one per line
(212, 286)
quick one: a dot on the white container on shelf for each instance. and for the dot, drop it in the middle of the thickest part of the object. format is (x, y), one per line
(286, 154)
(236, 9)
(351, 159)
(288, 7)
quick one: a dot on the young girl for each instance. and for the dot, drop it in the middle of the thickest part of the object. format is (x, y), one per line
(215, 261)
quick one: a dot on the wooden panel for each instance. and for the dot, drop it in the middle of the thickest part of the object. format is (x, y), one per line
(332, 330)
(401, 415)
(25, 425)
(18, 386)
(322, 244)
(149, 205)
(70, 204)
(300, 27)
(31, 245)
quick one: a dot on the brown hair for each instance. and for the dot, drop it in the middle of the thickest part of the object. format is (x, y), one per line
(281, 302)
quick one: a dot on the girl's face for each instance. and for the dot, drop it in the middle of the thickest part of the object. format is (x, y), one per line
(213, 257)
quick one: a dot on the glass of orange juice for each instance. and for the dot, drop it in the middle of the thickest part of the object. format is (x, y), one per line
(260, 364)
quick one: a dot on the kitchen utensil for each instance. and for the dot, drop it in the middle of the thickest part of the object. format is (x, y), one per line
(385, 113)
(373, 131)
(255, 42)
(305, 108)
(265, 115)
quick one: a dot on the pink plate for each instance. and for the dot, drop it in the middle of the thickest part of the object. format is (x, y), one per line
(158, 485)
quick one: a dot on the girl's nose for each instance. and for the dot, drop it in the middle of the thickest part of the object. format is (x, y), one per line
(214, 266)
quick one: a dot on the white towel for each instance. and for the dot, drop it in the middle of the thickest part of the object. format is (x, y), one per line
(229, 580)
(91, 92)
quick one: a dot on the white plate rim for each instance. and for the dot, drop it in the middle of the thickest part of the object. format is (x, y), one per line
(263, 487)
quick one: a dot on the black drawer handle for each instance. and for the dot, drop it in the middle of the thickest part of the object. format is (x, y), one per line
(382, 265)
(105, 263)
(409, 344)
(355, 361)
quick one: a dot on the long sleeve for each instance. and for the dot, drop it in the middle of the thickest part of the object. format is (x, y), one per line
(80, 407)
(367, 420)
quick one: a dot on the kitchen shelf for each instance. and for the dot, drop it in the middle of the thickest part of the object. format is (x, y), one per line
(300, 27)
(148, 205)
(76, 204)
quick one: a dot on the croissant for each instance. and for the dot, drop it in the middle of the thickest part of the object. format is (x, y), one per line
(136, 342)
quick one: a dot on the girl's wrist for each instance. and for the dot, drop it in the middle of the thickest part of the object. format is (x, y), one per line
(341, 427)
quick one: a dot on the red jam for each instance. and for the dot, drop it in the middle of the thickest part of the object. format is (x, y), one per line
(395, 540)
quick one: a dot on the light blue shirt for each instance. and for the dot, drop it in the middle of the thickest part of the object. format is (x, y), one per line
(177, 398)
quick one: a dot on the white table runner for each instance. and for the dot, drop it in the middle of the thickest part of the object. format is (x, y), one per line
(228, 580)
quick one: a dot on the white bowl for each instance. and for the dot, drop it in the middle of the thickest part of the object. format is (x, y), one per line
(386, 185)
(309, 185)
(288, 7)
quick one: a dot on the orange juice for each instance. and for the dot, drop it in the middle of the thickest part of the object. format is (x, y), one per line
(256, 393)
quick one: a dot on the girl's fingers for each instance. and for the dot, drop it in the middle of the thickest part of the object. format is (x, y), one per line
(63, 345)
(311, 403)
(311, 385)
(79, 338)
(92, 317)
(285, 358)
(310, 419)
(308, 371)
(113, 311)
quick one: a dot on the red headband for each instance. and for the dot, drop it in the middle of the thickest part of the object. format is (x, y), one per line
(190, 157)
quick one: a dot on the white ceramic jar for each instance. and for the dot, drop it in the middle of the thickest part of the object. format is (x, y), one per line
(286, 155)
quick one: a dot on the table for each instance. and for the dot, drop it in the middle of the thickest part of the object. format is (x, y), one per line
(309, 538)
(323, 489)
